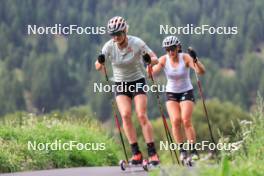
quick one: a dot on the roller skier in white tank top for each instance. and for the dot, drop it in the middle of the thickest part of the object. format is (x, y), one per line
(179, 91)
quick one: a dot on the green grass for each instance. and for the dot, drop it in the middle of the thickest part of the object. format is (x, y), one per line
(17, 129)
(77, 125)
(247, 161)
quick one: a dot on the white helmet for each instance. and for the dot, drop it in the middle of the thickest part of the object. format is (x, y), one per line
(116, 24)
(170, 41)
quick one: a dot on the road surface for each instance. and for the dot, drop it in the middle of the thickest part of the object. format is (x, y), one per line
(84, 171)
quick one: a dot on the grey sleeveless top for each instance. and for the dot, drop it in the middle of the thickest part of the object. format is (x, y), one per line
(127, 63)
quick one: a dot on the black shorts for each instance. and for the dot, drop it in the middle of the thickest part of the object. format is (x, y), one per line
(188, 95)
(130, 89)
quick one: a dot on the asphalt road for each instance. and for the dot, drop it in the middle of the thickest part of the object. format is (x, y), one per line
(84, 171)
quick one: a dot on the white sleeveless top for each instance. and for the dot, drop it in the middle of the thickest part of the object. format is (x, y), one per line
(178, 79)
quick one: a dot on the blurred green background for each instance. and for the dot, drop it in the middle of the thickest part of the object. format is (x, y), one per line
(43, 74)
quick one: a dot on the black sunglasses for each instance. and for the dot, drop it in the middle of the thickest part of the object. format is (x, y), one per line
(171, 48)
(119, 33)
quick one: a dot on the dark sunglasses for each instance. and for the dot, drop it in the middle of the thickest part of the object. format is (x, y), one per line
(171, 48)
(119, 33)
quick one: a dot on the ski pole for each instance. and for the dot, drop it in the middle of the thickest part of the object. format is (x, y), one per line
(193, 55)
(147, 60)
(101, 60)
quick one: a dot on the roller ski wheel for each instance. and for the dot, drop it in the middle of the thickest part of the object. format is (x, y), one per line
(150, 164)
(189, 161)
(145, 165)
(194, 156)
(183, 158)
(123, 165)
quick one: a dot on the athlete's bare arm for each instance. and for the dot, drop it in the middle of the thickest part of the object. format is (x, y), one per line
(198, 66)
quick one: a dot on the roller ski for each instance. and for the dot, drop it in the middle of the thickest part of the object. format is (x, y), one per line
(183, 157)
(152, 163)
(135, 161)
(188, 160)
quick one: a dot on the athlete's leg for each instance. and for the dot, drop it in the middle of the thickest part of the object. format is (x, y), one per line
(141, 111)
(174, 111)
(186, 112)
(124, 104)
(173, 108)
(186, 115)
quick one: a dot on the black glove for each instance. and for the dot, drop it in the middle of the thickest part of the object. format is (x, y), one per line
(192, 53)
(101, 58)
(147, 58)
